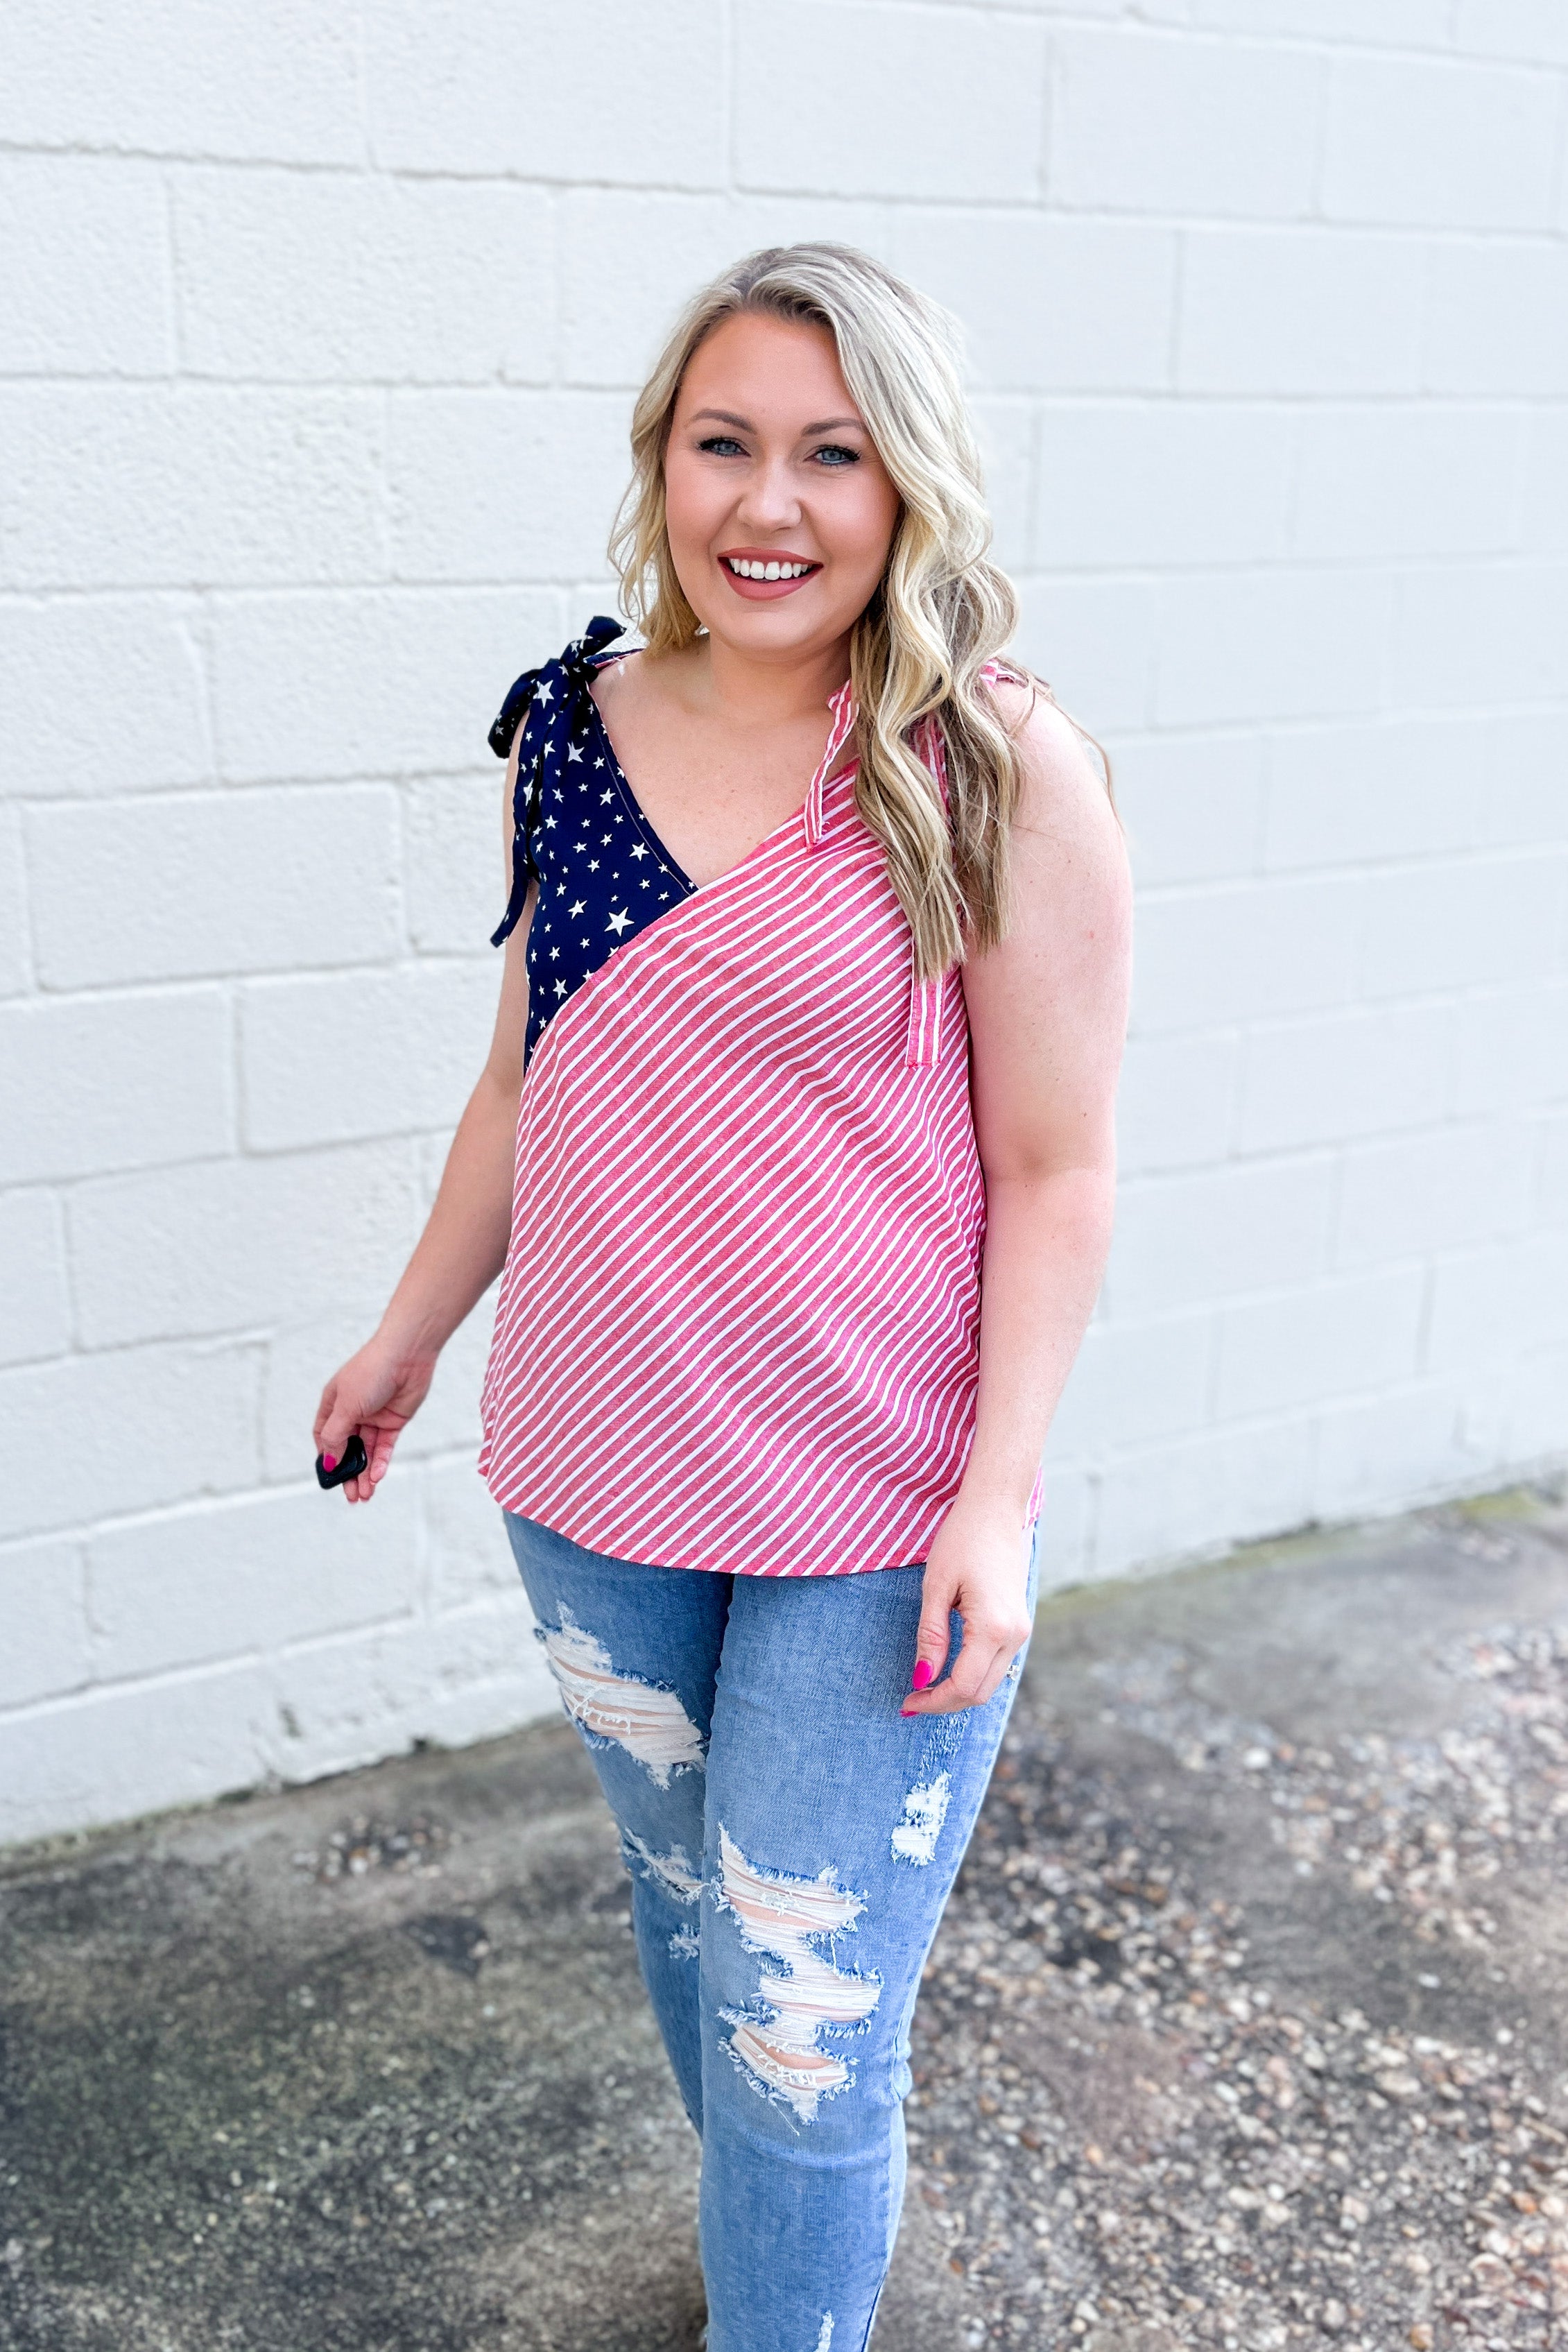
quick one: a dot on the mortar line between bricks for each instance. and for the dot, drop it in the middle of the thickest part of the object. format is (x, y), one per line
(1315, 1480)
(1333, 1225)
(1558, 193)
(1501, 562)
(363, 89)
(1384, 864)
(1303, 722)
(1288, 1158)
(1428, 1313)
(137, 990)
(1170, 389)
(256, 983)
(1362, 1010)
(57, 994)
(1244, 883)
(1023, 205)
(557, 286)
(1483, 1480)
(1415, 1382)
(730, 135)
(344, 389)
(168, 1678)
(1045, 117)
(737, 191)
(1299, 725)
(1211, 1369)
(1229, 38)
(1324, 100)
(186, 1507)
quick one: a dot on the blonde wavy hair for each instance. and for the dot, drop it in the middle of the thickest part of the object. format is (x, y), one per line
(940, 612)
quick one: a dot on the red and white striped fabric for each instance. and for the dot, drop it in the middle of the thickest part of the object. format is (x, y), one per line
(739, 1327)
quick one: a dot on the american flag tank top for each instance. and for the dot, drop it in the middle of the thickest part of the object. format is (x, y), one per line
(738, 1325)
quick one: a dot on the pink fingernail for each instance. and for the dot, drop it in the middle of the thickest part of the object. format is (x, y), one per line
(909, 1710)
(329, 1461)
(921, 1676)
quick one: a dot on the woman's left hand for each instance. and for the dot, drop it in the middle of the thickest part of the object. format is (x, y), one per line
(978, 1565)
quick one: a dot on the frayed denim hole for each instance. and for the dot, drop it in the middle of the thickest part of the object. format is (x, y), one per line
(674, 1875)
(776, 2045)
(644, 1718)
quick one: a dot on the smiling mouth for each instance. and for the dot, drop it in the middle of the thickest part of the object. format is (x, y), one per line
(745, 567)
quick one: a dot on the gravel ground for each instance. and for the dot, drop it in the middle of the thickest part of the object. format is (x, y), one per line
(1135, 2134)
(1247, 2027)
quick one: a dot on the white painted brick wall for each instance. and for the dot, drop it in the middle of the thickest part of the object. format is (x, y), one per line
(320, 324)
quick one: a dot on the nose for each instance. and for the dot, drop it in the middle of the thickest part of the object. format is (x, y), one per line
(770, 500)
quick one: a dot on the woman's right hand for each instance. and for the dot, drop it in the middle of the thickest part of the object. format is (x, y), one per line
(378, 1392)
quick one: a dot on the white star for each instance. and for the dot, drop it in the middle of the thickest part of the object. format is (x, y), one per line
(603, 797)
(593, 864)
(617, 923)
(574, 751)
(639, 850)
(554, 952)
(599, 764)
(576, 908)
(561, 987)
(544, 689)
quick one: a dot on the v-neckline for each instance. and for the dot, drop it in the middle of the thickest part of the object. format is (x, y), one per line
(634, 808)
(631, 804)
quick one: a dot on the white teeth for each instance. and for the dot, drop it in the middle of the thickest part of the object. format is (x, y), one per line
(749, 569)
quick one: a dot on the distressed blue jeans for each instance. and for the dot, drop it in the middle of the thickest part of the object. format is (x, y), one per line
(791, 1840)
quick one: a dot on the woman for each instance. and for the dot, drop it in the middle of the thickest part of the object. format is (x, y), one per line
(816, 964)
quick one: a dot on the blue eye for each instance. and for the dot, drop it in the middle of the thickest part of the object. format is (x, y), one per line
(718, 441)
(836, 450)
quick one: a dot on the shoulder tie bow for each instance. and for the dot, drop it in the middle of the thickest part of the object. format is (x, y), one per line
(547, 703)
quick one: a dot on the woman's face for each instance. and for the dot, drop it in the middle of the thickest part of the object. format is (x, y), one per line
(770, 464)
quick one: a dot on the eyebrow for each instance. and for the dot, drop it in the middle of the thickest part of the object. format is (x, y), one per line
(827, 424)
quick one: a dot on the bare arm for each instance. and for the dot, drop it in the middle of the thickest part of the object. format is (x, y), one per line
(463, 1247)
(1048, 1014)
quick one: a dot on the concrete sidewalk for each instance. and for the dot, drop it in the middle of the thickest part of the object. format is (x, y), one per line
(1247, 2025)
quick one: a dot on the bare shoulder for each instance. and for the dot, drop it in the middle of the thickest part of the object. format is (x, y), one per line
(1062, 791)
(638, 680)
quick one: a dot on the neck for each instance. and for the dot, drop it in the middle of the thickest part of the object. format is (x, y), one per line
(768, 691)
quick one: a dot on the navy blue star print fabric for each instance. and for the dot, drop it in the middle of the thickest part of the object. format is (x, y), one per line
(602, 871)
